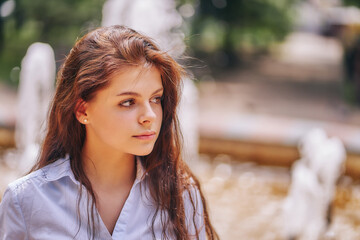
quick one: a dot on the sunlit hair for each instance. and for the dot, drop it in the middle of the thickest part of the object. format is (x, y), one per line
(87, 69)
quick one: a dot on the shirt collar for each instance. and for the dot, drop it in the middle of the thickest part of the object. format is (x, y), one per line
(61, 168)
(58, 169)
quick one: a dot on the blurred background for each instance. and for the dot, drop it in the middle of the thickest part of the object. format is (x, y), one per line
(265, 73)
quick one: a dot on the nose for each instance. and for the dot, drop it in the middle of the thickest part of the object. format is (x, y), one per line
(147, 115)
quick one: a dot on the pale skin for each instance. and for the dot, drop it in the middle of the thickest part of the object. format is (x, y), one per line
(122, 121)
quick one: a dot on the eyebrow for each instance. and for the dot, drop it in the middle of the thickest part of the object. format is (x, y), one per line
(137, 94)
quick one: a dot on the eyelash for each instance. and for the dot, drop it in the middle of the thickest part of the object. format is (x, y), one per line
(156, 100)
(124, 103)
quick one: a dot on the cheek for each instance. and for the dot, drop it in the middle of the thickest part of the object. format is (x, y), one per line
(124, 116)
(119, 128)
(123, 122)
(111, 120)
(159, 114)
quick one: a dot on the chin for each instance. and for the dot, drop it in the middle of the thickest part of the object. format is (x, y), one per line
(144, 152)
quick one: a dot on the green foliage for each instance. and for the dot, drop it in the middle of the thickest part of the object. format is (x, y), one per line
(235, 27)
(232, 29)
(355, 3)
(58, 23)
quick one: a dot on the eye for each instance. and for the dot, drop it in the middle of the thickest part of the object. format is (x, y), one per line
(156, 99)
(127, 103)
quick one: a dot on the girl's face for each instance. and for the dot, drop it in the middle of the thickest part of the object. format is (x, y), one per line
(126, 116)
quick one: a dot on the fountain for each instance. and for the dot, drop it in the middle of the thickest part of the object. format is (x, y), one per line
(313, 183)
(159, 20)
(35, 90)
(325, 157)
(304, 212)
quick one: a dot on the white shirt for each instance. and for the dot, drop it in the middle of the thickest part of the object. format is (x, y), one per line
(43, 206)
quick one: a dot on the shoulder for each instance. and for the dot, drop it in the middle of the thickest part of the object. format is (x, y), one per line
(194, 210)
(191, 189)
(22, 184)
(12, 221)
(38, 178)
(30, 203)
(192, 197)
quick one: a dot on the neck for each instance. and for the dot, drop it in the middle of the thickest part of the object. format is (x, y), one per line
(108, 170)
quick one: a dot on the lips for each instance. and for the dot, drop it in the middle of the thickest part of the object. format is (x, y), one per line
(146, 135)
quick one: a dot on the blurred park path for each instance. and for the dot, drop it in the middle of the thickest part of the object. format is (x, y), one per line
(253, 117)
(277, 99)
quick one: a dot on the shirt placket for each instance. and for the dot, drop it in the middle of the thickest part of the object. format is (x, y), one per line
(121, 223)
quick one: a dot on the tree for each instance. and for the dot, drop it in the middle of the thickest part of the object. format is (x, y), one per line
(58, 23)
(233, 28)
(355, 3)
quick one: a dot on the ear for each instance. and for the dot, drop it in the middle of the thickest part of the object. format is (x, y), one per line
(80, 111)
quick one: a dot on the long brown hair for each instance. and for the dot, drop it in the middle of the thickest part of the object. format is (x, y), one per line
(87, 69)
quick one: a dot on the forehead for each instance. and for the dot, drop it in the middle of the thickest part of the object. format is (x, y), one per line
(135, 79)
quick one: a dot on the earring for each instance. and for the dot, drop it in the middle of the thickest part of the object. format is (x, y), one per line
(85, 120)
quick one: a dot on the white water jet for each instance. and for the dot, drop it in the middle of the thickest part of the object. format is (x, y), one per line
(325, 157)
(313, 185)
(160, 20)
(330, 165)
(304, 208)
(36, 87)
(311, 141)
(157, 19)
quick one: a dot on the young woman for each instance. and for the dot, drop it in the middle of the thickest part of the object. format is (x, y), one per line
(110, 165)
